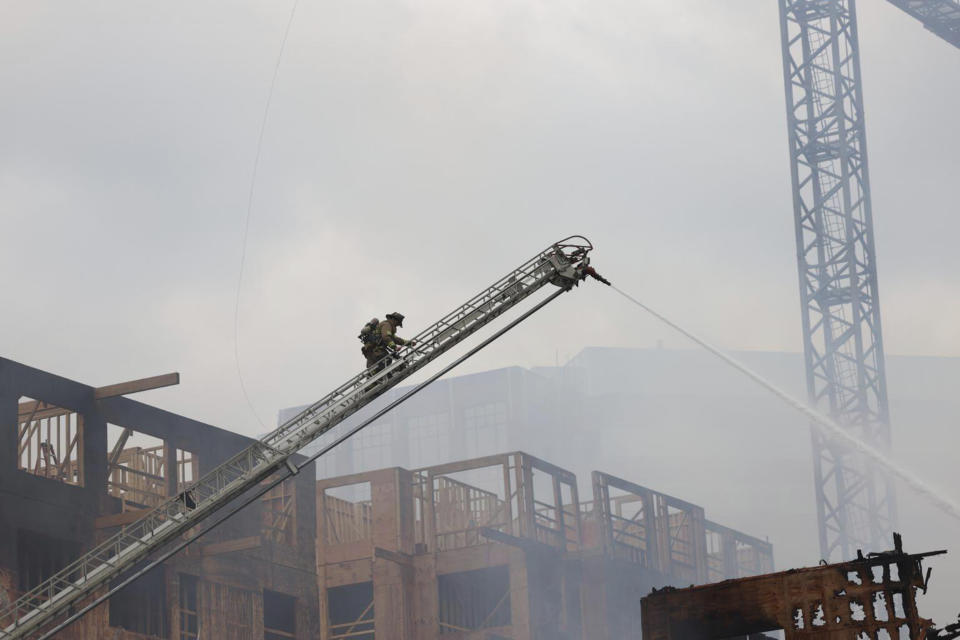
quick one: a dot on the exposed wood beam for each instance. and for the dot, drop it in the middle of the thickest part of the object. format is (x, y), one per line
(397, 557)
(31, 411)
(135, 386)
(275, 533)
(230, 546)
(118, 448)
(530, 546)
(65, 455)
(120, 389)
(28, 427)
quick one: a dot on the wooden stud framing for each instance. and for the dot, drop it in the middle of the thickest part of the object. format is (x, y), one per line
(50, 442)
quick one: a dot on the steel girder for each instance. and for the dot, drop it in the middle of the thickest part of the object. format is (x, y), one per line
(941, 17)
(843, 348)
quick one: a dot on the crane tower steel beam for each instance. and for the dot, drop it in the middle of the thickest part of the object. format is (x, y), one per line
(843, 347)
(941, 17)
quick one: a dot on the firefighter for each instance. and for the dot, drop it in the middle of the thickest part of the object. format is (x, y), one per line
(384, 339)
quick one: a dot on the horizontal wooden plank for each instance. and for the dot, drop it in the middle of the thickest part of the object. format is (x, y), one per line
(478, 557)
(24, 409)
(738, 535)
(334, 553)
(335, 575)
(135, 386)
(468, 465)
(380, 475)
(230, 546)
(396, 557)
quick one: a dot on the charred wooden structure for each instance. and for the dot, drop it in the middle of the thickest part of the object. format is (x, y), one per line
(871, 597)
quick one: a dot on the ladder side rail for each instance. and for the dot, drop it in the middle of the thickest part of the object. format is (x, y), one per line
(262, 458)
(468, 324)
(237, 469)
(424, 336)
(430, 338)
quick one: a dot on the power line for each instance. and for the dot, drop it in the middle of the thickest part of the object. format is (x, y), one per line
(246, 226)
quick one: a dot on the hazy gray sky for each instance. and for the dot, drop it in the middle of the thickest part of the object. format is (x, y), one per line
(416, 151)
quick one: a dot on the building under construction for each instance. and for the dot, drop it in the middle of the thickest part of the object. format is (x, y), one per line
(502, 546)
(84, 462)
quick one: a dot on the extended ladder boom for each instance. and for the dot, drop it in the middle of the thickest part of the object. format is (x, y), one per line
(563, 264)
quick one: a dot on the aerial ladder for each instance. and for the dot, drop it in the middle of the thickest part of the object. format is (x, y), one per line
(563, 264)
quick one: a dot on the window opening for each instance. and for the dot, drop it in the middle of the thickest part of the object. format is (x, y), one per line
(188, 468)
(680, 543)
(347, 513)
(857, 611)
(136, 468)
(49, 441)
(141, 606)
(751, 560)
(231, 609)
(716, 557)
(547, 520)
(40, 556)
(279, 615)
(571, 508)
(877, 574)
(189, 607)
(474, 600)
(880, 607)
(627, 514)
(798, 622)
(817, 617)
(466, 500)
(351, 611)
(898, 609)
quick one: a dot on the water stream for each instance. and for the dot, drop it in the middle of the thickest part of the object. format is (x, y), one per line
(827, 425)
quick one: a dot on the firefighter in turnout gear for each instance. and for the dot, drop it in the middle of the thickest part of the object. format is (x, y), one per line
(380, 339)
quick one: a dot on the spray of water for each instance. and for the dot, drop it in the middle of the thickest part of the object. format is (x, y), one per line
(826, 425)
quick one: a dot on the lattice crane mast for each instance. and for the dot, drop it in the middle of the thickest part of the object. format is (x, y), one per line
(836, 254)
(842, 335)
(562, 264)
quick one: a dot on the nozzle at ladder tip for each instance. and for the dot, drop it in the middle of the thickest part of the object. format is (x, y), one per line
(590, 271)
